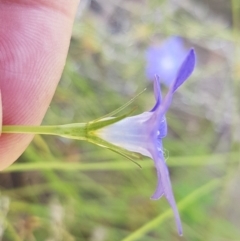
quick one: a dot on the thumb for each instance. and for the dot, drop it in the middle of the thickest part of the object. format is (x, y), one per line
(34, 40)
(0, 113)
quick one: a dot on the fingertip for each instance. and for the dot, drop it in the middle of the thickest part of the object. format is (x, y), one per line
(0, 113)
(35, 37)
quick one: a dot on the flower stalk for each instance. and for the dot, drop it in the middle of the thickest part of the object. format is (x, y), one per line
(73, 131)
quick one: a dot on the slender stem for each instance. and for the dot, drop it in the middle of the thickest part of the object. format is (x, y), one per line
(45, 130)
(73, 131)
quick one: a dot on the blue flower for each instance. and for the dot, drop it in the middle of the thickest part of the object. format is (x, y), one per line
(143, 133)
(165, 60)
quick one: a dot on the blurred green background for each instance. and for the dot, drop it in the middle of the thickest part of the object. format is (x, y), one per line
(62, 189)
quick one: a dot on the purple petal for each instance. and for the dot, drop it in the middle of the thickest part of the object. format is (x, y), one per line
(159, 192)
(157, 89)
(160, 111)
(157, 93)
(162, 128)
(165, 60)
(164, 187)
(185, 70)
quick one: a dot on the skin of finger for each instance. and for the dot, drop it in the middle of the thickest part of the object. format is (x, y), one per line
(34, 40)
(0, 113)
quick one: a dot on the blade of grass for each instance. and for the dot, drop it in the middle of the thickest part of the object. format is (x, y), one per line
(183, 204)
(173, 161)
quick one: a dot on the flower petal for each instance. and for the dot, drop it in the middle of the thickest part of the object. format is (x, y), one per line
(164, 187)
(185, 70)
(165, 59)
(162, 128)
(131, 133)
(159, 192)
(157, 93)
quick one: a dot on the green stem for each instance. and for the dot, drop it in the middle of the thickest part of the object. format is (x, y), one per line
(45, 130)
(73, 131)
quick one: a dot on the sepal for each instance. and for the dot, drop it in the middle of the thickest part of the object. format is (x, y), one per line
(120, 108)
(95, 125)
(123, 152)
